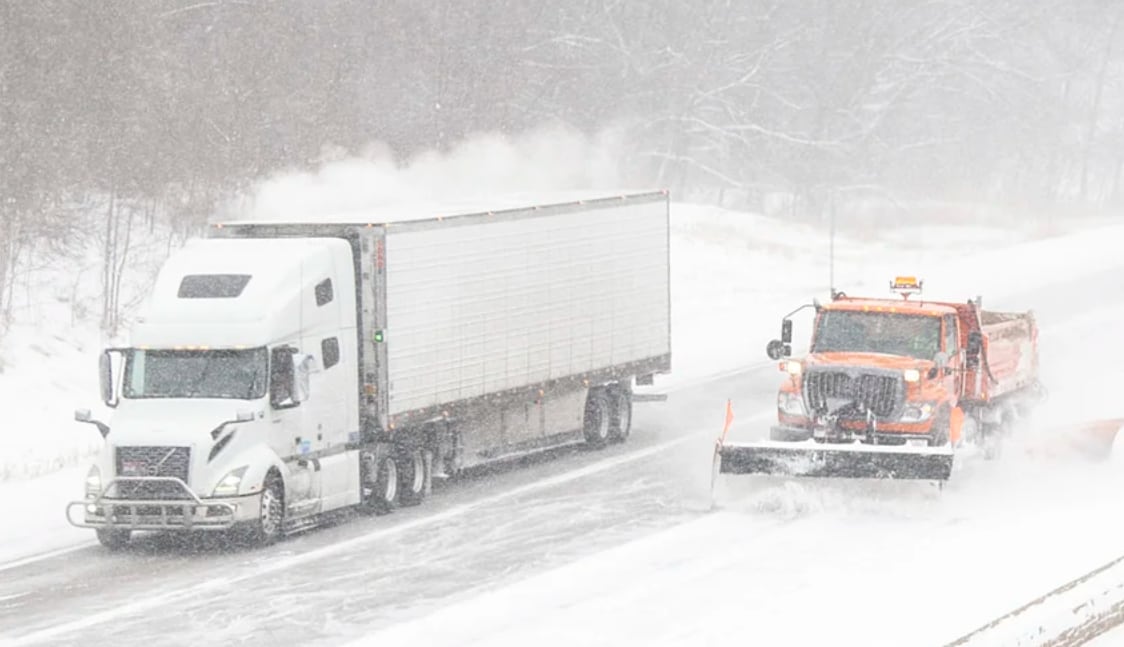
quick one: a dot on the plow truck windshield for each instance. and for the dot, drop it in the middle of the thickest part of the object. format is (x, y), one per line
(844, 331)
(234, 374)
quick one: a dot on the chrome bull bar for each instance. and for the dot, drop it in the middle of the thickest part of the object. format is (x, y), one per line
(173, 514)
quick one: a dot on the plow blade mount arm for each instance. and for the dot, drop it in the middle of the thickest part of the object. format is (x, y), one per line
(811, 459)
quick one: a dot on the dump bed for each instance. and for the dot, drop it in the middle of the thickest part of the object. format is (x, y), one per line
(1009, 357)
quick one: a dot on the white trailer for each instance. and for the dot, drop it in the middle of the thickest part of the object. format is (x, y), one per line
(283, 370)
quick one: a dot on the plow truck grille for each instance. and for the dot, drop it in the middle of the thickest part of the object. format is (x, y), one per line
(152, 461)
(826, 391)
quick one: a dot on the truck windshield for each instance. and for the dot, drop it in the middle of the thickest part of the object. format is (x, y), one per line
(235, 374)
(877, 332)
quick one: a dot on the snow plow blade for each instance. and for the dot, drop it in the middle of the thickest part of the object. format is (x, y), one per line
(810, 459)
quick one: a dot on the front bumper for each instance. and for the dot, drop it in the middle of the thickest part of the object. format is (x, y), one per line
(885, 434)
(188, 513)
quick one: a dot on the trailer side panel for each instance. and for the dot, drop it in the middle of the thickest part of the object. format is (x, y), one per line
(483, 306)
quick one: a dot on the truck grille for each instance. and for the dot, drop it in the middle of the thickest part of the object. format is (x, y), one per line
(878, 393)
(153, 461)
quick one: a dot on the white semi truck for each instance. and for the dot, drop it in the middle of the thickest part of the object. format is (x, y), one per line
(284, 370)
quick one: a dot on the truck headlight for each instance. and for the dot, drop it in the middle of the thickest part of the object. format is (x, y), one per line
(230, 483)
(790, 404)
(917, 412)
(793, 367)
(911, 375)
(93, 482)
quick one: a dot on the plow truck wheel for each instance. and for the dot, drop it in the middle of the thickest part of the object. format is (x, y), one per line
(598, 420)
(787, 435)
(414, 476)
(113, 539)
(942, 429)
(621, 423)
(993, 437)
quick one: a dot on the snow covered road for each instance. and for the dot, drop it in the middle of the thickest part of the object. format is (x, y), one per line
(618, 546)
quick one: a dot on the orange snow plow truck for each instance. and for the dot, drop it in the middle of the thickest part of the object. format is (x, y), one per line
(893, 387)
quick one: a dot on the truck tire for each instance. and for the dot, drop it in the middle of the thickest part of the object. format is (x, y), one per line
(992, 439)
(942, 429)
(384, 498)
(789, 435)
(598, 421)
(112, 538)
(271, 515)
(621, 424)
(415, 476)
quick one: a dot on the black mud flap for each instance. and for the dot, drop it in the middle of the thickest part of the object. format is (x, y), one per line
(840, 461)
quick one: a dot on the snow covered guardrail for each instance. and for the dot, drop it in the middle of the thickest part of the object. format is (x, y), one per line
(1069, 615)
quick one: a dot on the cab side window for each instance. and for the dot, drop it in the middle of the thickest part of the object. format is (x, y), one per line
(950, 335)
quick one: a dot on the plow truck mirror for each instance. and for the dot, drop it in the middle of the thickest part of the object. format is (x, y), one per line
(975, 343)
(777, 349)
(940, 361)
(786, 331)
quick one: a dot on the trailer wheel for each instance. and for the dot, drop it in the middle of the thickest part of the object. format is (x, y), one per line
(385, 496)
(598, 420)
(112, 538)
(415, 477)
(621, 424)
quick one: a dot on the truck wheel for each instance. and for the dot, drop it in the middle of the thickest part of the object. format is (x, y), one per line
(993, 439)
(415, 476)
(112, 538)
(271, 516)
(621, 424)
(941, 430)
(385, 497)
(787, 435)
(598, 419)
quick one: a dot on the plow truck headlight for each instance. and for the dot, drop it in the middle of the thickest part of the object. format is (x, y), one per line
(917, 412)
(793, 367)
(93, 482)
(790, 404)
(911, 375)
(230, 483)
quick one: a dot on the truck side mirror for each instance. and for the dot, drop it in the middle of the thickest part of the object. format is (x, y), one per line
(786, 331)
(301, 379)
(777, 349)
(283, 378)
(83, 415)
(105, 379)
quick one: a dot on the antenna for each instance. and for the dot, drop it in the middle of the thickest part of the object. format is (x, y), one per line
(831, 246)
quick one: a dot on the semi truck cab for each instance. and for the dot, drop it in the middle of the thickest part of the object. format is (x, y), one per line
(241, 372)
